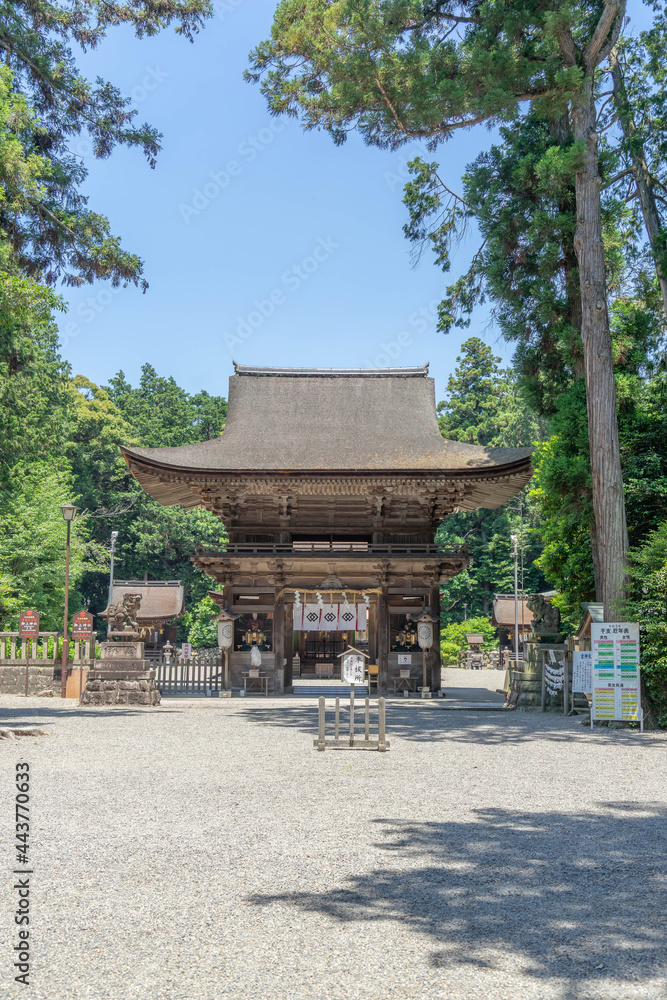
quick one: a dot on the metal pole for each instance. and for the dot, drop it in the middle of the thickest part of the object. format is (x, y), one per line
(516, 600)
(63, 675)
(114, 536)
(27, 664)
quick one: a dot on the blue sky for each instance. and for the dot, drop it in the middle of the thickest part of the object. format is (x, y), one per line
(260, 242)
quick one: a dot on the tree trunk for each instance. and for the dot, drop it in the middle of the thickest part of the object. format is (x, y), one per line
(561, 129)
(608, 500)
(640, 170)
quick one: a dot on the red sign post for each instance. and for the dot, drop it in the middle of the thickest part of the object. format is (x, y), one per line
(28, 629)
(82, 629)
(82, 625)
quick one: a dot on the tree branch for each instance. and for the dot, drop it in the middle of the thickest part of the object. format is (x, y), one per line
(593, 51)
(457, 197)
(385, 98)
(617, 177)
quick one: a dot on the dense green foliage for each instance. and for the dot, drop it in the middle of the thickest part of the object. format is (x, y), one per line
(82, 462)
(199, 627)
(453, 638)
(59, 435)
(484, 406)
(32, 545)
(648, 606)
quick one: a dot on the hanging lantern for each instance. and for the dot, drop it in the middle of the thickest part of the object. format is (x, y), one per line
(425, 623)
(225, 622)
(225, 634)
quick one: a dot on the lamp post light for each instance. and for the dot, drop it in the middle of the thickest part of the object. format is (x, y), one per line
(69, 512)
(112, 550)
(515, 540)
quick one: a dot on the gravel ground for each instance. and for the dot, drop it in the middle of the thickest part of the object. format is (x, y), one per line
(205, 850)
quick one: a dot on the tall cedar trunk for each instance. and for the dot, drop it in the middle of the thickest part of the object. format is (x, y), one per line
(561, 130)
(607, 479)
(640, 171)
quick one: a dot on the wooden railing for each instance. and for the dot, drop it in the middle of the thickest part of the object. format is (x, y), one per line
(374, 549)
(13, 650)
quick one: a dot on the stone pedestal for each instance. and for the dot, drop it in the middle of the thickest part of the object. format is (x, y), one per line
(122, 677)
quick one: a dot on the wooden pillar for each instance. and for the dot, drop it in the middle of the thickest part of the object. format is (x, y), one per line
(372, 632)
(435, 658)
(289, 644)
(279, 643)
(383, 641)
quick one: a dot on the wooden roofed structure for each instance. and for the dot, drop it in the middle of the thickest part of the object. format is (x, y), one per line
(162, 602)
(331, 481)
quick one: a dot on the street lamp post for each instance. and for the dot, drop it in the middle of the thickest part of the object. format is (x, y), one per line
(516, 599)
(69, 512)
(114, 536)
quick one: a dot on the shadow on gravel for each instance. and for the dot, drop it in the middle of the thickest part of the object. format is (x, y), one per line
(432, 724)
(572, 898)
(51, 714)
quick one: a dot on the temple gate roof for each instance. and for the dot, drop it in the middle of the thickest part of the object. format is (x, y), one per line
(347, 421)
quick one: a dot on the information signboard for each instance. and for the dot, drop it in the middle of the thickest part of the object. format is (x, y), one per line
(615, 663)
(82, 625)
(582, 672)
(353, 668)
(186, 650)
(29, 625)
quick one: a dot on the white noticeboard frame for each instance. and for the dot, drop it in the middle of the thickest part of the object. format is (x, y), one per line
(353, 668)
(582, 672)
(615, 660)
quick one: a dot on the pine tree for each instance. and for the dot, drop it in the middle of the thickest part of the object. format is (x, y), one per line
(401, 69)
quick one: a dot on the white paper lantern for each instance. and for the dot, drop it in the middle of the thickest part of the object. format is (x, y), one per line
(425, 635)
(225, 635)
(255, 657)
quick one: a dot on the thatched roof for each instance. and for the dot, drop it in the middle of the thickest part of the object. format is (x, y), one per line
(296, 420)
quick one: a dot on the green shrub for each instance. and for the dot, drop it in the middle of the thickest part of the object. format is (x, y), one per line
(648, 606)
(453, 638)
(202, 629)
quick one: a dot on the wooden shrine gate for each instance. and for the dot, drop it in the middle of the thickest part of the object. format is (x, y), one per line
(201, 674)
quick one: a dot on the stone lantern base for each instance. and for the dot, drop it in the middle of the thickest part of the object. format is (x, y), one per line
(123, 677)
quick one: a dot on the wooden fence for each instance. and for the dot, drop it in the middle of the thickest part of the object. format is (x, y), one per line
(352, 742)
(43, 651)
(202, 674)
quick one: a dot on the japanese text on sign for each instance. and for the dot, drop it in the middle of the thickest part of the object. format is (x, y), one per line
(615, 662)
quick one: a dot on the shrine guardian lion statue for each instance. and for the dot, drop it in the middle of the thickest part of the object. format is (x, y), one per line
(546, 618)
(122, 617)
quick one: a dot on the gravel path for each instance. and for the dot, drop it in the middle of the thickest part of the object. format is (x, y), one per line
(205, 850)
